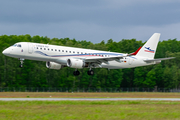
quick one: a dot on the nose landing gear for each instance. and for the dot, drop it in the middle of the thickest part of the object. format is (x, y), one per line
(21, 60)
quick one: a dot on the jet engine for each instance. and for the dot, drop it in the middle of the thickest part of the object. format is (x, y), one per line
(53, 65)
(75, 63)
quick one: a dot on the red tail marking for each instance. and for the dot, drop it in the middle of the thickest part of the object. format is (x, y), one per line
(134, 53)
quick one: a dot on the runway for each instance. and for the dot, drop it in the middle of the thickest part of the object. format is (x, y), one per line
(88, 99)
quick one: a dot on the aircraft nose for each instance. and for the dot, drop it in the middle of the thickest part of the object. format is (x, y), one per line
(6, 51)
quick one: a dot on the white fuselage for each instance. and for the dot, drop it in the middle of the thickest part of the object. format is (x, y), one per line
(60, 54)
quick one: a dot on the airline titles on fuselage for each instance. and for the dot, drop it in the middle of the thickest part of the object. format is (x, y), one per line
(42, 46)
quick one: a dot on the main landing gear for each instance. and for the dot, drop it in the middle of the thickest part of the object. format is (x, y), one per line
(21, 60)
(76, 73)
(89, 72)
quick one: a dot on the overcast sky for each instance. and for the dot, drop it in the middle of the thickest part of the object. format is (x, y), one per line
(91, 20)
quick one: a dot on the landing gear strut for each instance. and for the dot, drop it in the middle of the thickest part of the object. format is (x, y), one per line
(21, 60)
(76, 73)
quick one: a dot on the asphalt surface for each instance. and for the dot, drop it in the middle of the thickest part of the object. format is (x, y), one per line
(88, 99)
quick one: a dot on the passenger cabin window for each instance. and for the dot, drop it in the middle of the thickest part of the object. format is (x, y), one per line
(55, 50)
(41, 48)
(51, 49)
(59, 50)
(44, 48)
(69, 51)
(48, 48)
(37, 47)
(62, 50)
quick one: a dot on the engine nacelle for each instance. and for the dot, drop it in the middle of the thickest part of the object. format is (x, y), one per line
(53, 65)
(75, 63)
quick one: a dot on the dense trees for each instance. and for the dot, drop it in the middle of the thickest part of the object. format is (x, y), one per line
(35, 74)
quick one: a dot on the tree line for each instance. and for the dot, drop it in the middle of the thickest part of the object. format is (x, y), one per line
(35, 74)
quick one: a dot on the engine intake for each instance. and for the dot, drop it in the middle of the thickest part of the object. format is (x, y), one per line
(75, 63)
(53, 65)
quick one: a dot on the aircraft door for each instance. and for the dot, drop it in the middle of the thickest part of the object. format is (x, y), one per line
(30, 48)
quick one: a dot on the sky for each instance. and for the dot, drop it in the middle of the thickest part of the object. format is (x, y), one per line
(91, 20)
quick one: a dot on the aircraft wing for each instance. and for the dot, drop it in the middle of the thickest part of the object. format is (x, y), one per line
(159, 59)
(104, 59)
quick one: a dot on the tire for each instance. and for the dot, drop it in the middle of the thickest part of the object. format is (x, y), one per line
(90, 72)
(76, 73)
(21, 66)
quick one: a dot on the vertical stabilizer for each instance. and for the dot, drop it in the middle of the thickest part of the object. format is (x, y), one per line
(149, 48)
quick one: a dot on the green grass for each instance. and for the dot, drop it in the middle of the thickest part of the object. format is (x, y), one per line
(89, 110)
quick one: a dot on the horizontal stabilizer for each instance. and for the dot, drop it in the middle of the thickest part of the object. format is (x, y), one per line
(159, 59)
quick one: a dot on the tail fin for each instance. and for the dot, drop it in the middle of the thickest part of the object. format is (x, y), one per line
(149, 48)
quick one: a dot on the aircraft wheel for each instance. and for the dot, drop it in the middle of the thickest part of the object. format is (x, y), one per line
(90, 72)
(21, 66)
(76, 73)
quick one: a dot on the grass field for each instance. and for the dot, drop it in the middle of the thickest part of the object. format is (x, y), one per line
(88, 95)
(89, 110)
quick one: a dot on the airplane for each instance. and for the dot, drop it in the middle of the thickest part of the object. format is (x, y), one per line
(57, 57)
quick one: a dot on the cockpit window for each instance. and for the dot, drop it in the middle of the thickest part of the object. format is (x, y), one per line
(14, 45)
(19, 45)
